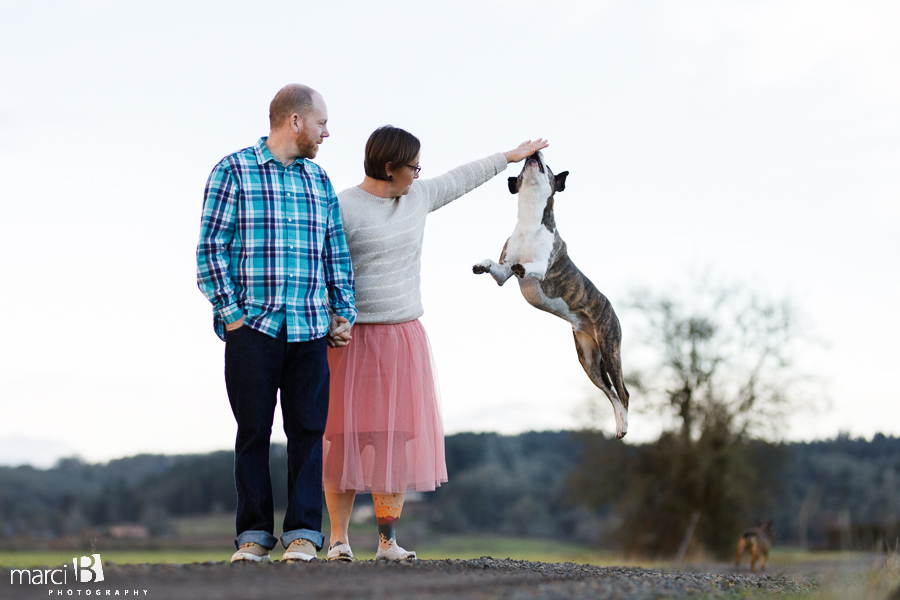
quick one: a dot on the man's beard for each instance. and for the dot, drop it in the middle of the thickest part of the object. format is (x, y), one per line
(307, 148)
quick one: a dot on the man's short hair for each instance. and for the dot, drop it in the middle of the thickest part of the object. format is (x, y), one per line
(292, 98)
(389, 144)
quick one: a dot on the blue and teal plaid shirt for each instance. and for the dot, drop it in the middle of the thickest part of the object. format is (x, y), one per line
(272, 246)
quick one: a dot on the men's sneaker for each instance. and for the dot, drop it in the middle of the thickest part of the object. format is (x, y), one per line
(340, 552)
(251, 551)
(395, 553)
(300, 549)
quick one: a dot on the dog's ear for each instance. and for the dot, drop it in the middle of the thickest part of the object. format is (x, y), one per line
(513, 185)
(561, 182)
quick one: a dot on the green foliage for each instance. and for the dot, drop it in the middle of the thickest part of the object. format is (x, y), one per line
(195, 485)
(143, 489)
(654, 489)
(713, 477)
(853, 480)
(508, 484)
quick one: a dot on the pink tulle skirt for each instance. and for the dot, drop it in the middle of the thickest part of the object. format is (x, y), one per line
(384, 433)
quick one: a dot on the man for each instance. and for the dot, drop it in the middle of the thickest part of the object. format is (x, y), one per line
(273, 260)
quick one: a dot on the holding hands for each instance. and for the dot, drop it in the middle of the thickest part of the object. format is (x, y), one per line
(339, 332)
(525, 149)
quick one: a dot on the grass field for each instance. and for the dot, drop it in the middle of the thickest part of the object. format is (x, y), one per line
(450, 547)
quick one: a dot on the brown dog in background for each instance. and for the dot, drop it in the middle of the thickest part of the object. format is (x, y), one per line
(756, 541)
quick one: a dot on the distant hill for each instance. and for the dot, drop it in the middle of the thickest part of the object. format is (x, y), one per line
(850, 486)
(508, 484)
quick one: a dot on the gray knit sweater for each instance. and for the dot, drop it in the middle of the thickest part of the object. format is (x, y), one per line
(385, 238)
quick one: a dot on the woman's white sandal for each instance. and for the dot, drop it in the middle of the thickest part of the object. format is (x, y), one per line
(395, 553)
(340, 552)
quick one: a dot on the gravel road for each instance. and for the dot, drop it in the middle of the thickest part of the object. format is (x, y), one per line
(430, 579)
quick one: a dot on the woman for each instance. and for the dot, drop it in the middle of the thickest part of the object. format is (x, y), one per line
(384, 433)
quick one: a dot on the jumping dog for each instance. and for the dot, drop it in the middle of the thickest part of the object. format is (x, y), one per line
(549, 280)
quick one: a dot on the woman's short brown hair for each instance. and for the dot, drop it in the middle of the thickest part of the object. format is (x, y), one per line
(389, 144)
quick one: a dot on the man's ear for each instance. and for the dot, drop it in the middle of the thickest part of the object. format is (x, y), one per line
(561, 182)
(296, 122)
(513, 185)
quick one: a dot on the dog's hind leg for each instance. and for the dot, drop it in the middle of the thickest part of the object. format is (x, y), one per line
(592, 362)
(613, 366)
(753, 545)
(740, 552)
(610, 342)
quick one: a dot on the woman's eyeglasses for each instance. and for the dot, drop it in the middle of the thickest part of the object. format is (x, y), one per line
(415, 168)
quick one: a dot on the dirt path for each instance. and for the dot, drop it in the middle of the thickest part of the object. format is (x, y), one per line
(483, 578)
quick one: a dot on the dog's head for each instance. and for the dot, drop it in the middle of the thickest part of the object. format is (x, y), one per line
(537, 178)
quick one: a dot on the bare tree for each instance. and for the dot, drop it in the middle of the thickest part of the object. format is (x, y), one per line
(723, 353)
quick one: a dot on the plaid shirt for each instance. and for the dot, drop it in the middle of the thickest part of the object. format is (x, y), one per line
(271, 246)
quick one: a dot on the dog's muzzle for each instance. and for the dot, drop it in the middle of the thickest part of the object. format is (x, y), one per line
(534, 158)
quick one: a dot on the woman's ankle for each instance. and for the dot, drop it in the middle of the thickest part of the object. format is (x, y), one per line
(384, 545)
(339, 540)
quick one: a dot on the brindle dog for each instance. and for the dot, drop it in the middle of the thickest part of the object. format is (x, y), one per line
(756, 541)
(536, 254)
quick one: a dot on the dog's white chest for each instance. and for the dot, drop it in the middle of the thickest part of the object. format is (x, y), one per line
(531, 244)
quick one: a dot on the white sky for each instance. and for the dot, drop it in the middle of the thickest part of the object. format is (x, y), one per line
(760, 140)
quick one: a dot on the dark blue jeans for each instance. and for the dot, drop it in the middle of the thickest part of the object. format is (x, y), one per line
(256, 367)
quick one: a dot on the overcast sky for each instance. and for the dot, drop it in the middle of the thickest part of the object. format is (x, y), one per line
(757, 140)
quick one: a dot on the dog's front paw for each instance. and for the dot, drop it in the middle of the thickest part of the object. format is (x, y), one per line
(519, 270)
(482, 267)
